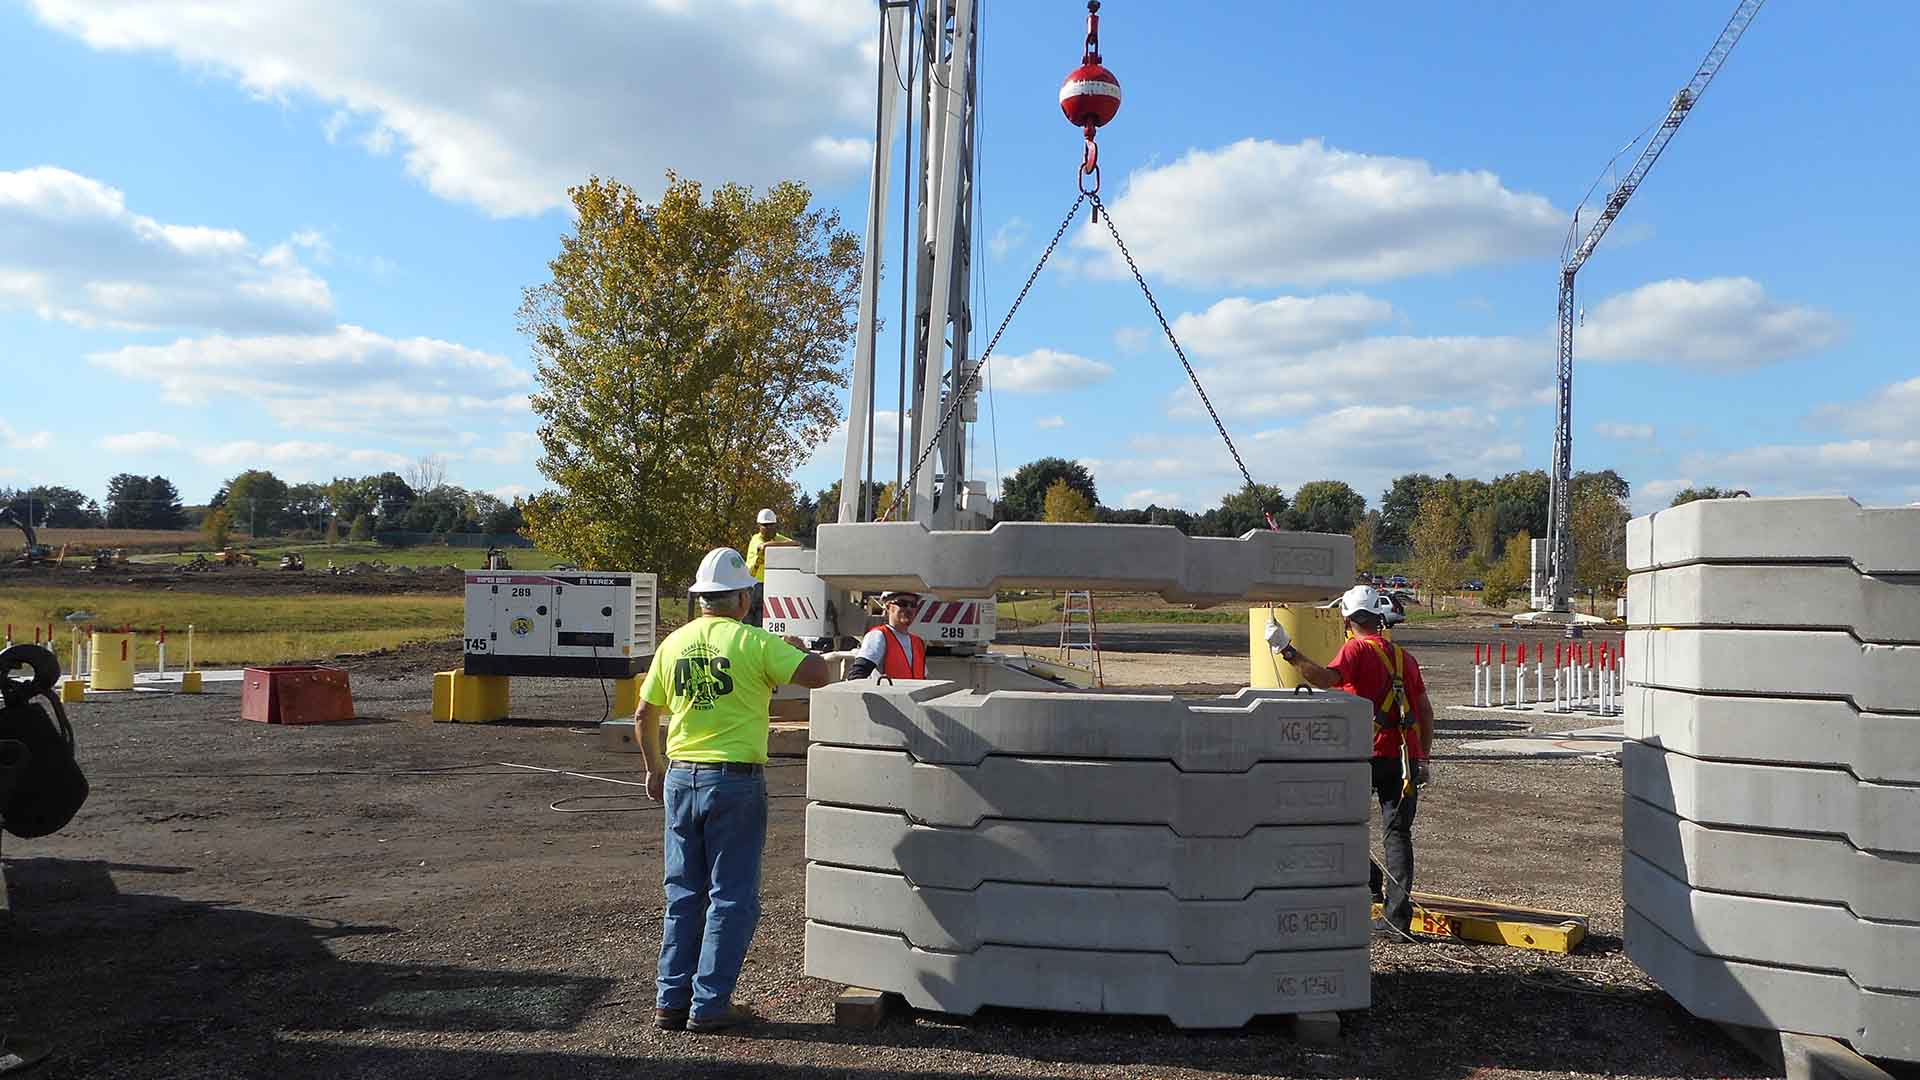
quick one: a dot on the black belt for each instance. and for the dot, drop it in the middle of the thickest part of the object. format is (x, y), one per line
(741, 768)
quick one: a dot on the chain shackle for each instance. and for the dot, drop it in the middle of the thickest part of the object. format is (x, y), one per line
(1092, 53)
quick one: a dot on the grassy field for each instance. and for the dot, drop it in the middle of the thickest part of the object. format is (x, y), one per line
(317, 556)
(90, 540)
(231, 630)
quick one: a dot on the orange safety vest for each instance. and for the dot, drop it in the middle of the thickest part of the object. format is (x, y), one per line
(1396, 694)
(898, 664)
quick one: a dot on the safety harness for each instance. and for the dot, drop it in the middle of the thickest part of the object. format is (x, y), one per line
(1397, 694)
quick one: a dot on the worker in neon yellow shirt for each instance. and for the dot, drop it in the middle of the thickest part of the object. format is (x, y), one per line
(765, 536)
(713, 680)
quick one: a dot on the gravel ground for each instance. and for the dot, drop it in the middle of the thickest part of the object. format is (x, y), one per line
(239, 900)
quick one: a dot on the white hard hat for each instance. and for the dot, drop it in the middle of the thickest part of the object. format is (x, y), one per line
(1362, 598)
(768, 517)
(723, 570)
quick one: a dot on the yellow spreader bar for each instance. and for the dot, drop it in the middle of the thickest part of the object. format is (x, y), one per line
(1495, 924)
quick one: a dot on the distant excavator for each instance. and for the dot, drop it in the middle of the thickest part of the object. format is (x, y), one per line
(36, 552)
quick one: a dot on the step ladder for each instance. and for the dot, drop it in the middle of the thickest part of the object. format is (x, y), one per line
(1080, 634)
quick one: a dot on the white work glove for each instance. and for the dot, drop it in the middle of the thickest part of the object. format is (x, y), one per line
(1277, 638)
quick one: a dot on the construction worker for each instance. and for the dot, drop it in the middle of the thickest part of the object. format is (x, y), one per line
(1387, 675)
(713, 679)
(765, 536)
(892, 649)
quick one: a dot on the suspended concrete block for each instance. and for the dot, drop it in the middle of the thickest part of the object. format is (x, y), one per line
(1875, 1023)
(1800, 731)
(1874, 541)
(943, 723)
(1065, 917)
(1777, 663)
(1817, 869)
(1877, 817)
(1088, 855)
(1076, 980)
(1261, 565)
(1877, 609)
(1787, 933)
(1124, 792)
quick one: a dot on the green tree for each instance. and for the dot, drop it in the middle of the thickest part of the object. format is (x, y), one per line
(1598, 523)
(362, 528)
(688, 354)
(1693, 494)
(1482, 524)
(127, 496)
(50, 506)
(217, 527)
(163, 504)
(1243, 511)
(1400, 506)
(1363, 534)
(333, 530)
(257, 499)
(1326, 506)
(1023, 495)
(1064, 503)
(1513, 574)
(1436, 543)
(1520, 503)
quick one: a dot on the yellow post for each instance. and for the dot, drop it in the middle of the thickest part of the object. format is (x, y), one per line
(1316, 631)
(189, 682)
(626, 696)
(110, 664)
(469, 699)
(72, 690)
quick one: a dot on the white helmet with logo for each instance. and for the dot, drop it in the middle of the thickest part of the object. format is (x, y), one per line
(1362, 598)
(723, 570)
(768, 517)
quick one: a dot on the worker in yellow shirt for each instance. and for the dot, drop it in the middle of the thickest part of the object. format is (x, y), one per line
(713, 679)
(767, 535)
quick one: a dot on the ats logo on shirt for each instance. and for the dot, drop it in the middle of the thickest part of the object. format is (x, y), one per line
(701, 675)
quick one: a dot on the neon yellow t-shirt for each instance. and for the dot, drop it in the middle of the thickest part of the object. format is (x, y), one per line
(757, 553)
(716, 676)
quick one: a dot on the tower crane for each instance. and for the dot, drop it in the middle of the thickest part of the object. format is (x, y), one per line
(1560, 500)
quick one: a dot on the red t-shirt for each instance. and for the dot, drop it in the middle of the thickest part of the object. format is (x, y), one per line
(1364, 674)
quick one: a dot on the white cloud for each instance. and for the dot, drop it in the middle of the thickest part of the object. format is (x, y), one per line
(1261, 213)
(509, 448)
(140, 442)
(1145, 497)
(831, 458)
(1651, 495)
(1724, 324)
(71, 250)
(513, 103)
(349, 380)
(1499, 371)
(1634, 432)
(297, 459)
(1240, 327)
(1131, 339)
(1870, 470)
(1011, 234)
(508, 492)
(1050, 423)
(1045, 369)
(14, 439)
(1891, 410)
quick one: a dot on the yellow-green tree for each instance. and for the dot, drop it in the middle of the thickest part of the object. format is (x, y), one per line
(1436, 542)
(216, 527)
(1513, 574)
(1364, 535)
(1598, 522)
(687, 352)
(1064, 502)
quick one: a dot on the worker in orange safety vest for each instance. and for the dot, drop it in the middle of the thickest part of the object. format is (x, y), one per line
(892, 649)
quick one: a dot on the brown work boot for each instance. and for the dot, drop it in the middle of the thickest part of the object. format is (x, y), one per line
(670, 1019)
(735, 1016)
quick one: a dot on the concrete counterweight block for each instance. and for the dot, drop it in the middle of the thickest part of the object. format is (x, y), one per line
(1884, 610)
(1876, 817)
(1804, 731)
(1784, 933)
(1778, 663)
(1064, 917)
(1127, 792)
(1073, 980)
(1875, 1023)
(1088, 855)
(943, 723)
(1873, 541)
(1816, 869)
(1261, 565)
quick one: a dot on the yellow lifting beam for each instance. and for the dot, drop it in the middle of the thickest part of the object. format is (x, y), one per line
(1492, 923)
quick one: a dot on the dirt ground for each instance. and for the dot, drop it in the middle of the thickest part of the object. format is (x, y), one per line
(383, 899)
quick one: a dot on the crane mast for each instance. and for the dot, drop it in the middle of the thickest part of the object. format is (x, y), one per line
(1560, 499)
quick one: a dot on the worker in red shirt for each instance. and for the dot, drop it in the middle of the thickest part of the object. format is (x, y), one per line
(893, 650)
(1388, 676)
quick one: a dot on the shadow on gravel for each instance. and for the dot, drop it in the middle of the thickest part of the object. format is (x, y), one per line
(157, 984)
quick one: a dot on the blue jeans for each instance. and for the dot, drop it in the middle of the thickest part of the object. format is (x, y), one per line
(716, 828)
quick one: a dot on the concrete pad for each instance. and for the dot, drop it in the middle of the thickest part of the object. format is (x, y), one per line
(1545, 748)
(939, 722)
(1787, 933)
(1876, 817)
(1801, 731)
(1086, 981)
(1089, 855)
(1817, 869)
(1777, 530)
(1777, 663)
(1878, 609)
(1065, 917)
(1114, 792)
(858, 1008)
(1604, 733)
(1261, 565)
(1881, 1024)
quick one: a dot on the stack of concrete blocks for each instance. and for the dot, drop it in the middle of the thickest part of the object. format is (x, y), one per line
(1200, 860)
(1772, 873)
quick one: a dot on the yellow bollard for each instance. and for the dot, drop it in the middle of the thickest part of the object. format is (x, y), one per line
(1316, 631)
(190, 682)
(71, 691)
(626, 696)
(461, 698)
(110, 662)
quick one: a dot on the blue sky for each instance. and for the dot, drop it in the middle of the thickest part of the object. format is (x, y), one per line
(254, 237)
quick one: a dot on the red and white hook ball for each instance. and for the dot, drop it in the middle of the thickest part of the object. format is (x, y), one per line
(1091, 96)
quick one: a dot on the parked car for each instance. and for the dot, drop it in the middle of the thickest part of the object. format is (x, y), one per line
(1476, 585)
(1398, 581)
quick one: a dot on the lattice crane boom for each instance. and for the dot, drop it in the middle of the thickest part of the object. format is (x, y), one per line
(1560, 503)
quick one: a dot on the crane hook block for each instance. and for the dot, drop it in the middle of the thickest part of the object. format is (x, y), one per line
(1090, 97)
